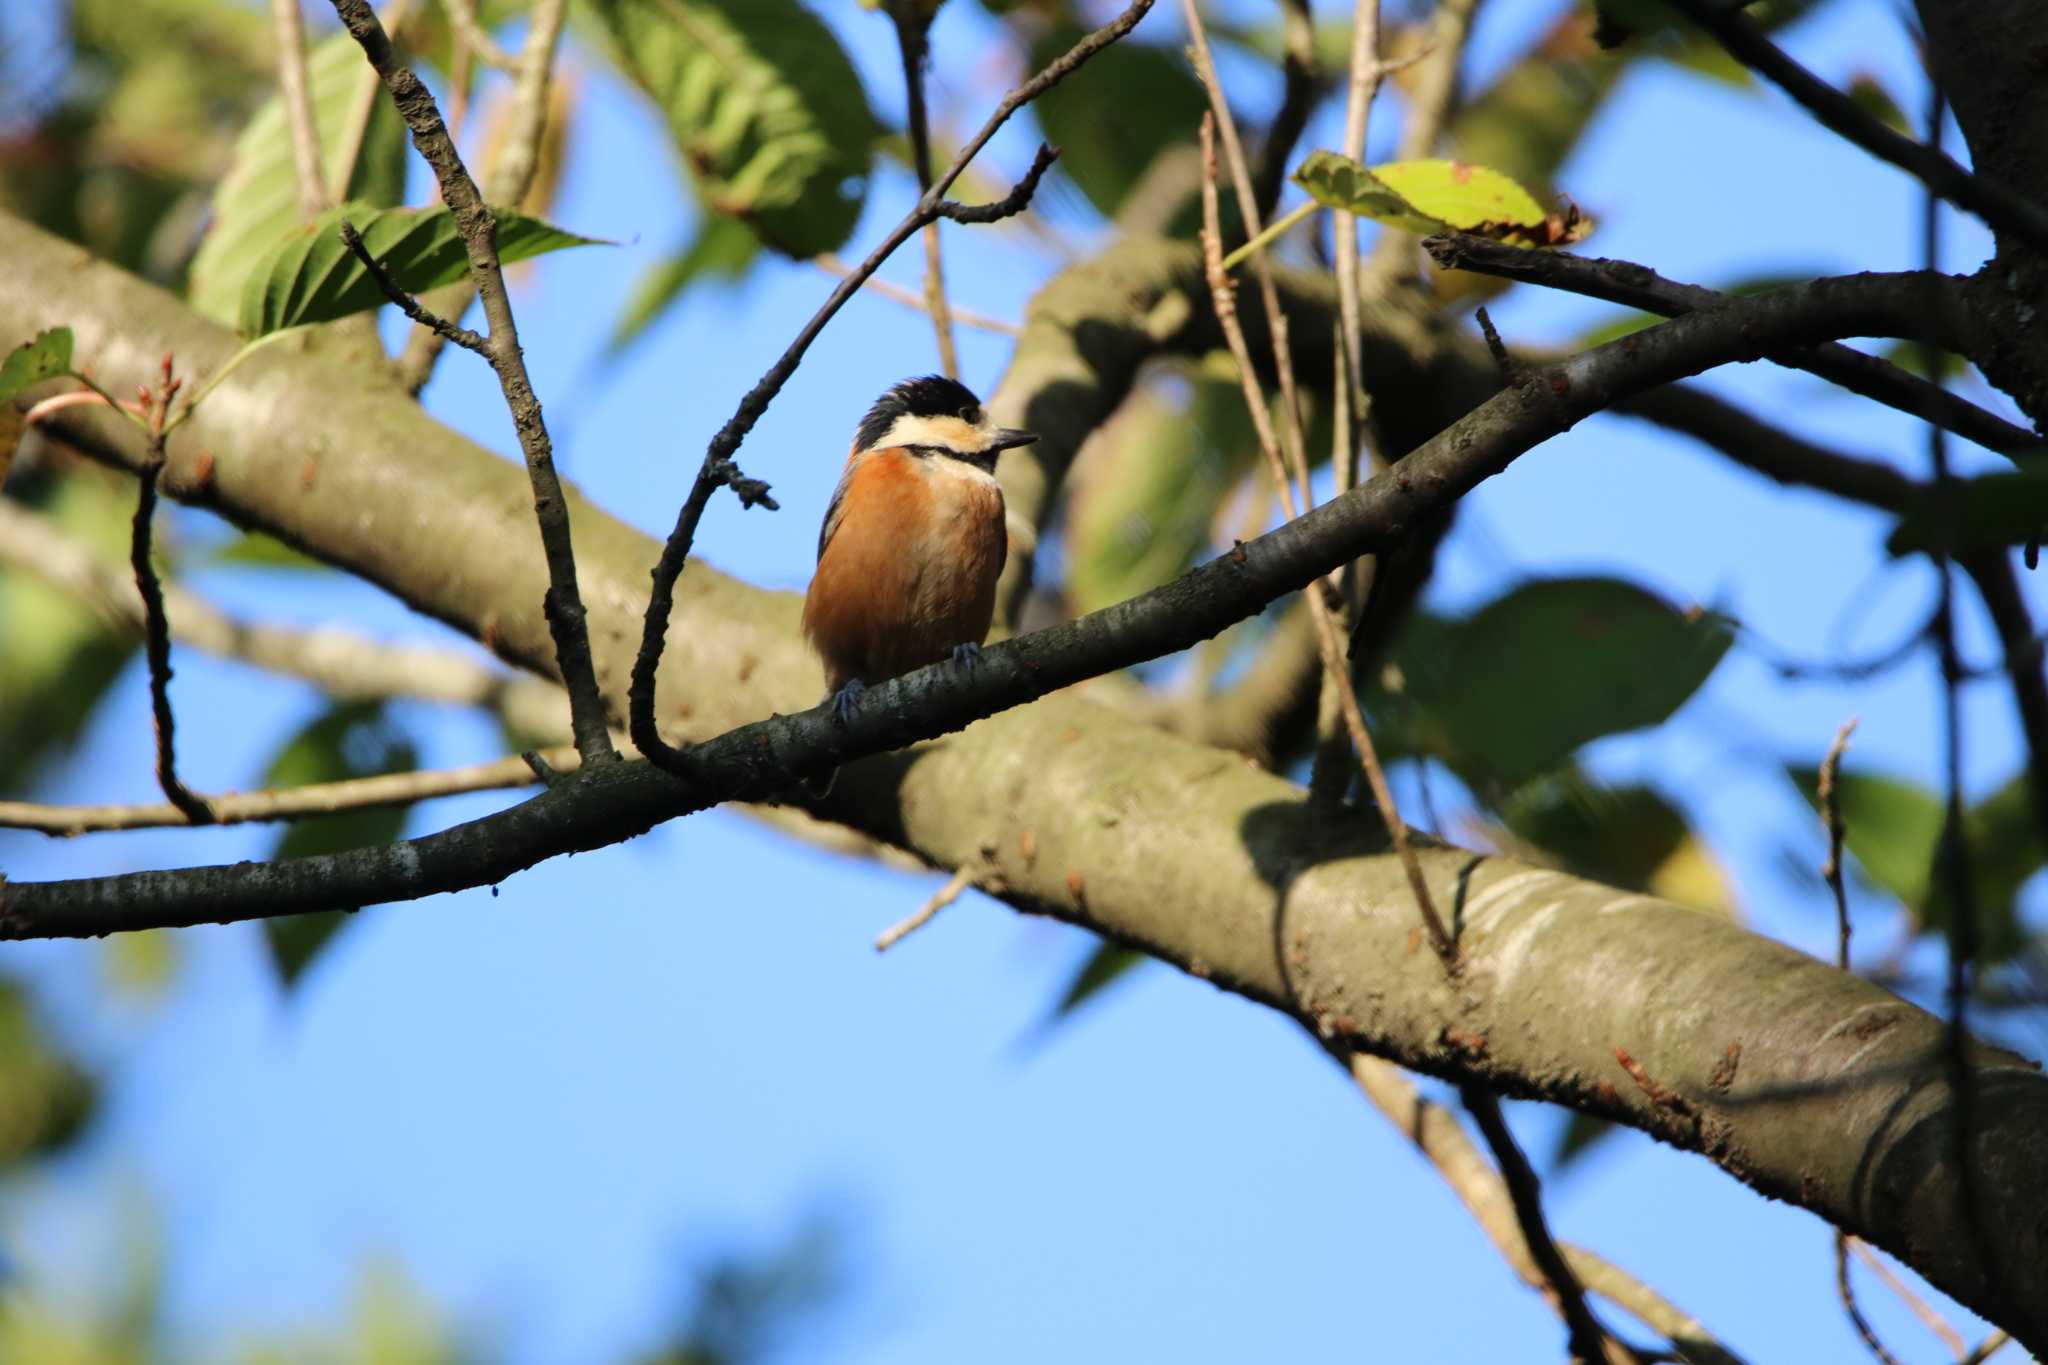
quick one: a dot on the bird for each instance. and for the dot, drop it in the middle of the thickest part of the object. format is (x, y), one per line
(913, 541)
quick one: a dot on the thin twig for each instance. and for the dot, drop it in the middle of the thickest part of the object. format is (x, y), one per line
(1920, 1308)
(2000, 207)
(507, 181)
(1248, 211)
(1831, 872)
(1589, 1340)
(1330, 642)
(1298, 99)
(1431, 100)
(918, 918)
(156, 624)
(470, 33)
(563, 602)
(719, 471)
(289, 28)
(913, 23)
(1437, 1135)
(1637, 286)
(291, 803)
(407, 304)
(836, 267)
(1997, 1340)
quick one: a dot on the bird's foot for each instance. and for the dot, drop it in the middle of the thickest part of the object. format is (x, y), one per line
(967, 655)
(845, 699)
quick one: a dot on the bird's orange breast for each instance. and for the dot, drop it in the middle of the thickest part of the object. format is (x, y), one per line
(909, 570)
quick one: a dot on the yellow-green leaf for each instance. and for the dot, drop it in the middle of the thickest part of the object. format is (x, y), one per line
(1436, 196)
(45, 356)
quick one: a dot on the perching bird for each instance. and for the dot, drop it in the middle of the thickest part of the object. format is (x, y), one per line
(913, 541)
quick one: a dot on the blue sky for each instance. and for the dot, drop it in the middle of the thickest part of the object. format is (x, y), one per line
(544, 1104)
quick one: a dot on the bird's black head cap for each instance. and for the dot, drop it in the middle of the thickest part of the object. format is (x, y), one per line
(931, 395)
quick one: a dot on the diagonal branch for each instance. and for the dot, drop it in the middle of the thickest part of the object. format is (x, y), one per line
(719, 471)
(473, 219)
(2000, 207)
(1637, 286)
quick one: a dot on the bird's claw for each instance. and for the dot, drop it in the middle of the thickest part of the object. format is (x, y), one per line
(845, 699)
(967, 655)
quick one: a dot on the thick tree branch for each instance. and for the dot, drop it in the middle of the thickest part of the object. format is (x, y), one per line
(1638, 286)
(2003, 209)
(1182, 850)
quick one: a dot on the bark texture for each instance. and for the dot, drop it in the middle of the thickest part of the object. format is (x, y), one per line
(1809, 1084)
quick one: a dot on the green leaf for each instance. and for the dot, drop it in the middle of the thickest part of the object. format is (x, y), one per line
(45, 1097)
(764, 105)
(1893, 829)
(1991, 509)
(722, 248)
(1437, 196)
(1626, 836)
(350, 739)
(32, 362)
(1104, 966)
(1113, 120)
(1554, 664)
(58, 657)
(310, 276)
(257, 549)
(257, 202)
(1142, 506)
(1581, 1133)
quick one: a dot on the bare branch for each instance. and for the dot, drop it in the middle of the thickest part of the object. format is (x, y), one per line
(837, 267)
(2000, 207)
(320, 798)
(913, 23)
(1298, 99)
(1327, 636)
(473, 219)
(289, 28)
(1589, 1340)
(918, 918)
(719, 471)
(470, 33)
(1919, 1307)
(407, 304)
(1435, 1133)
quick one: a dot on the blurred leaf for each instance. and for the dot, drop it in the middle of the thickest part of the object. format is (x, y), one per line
(1628, 836)
(1112, 121)
(722, 248)
(45, 1097)
(1945, 366)
(1625, 323)
(1582, 1132)
(1869, 95)
(349, 739)
(1512, 690)
(1991, 509)
(1438, 196)
(141, 965)
(764, 105)
(57, 657)
(747, 1304)
(257, 202)
(1106, 964)
(310, 276)
(1142, 507)
(1893, 828)
(259, 549)
(45, 357)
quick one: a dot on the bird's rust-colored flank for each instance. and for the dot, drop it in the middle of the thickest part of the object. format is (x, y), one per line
(908, 569)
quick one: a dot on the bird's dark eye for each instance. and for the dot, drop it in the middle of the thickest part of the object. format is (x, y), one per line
(971, 415)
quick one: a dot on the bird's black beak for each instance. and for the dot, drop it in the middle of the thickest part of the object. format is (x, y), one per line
(1011, 436)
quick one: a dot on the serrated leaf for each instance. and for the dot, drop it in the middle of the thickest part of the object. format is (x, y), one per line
(721, 248)
(310, 276)
(764, 105)
(1437, 196)
(1555, 664)
(257, 202)
(349, 739)
(1112, 121)
(45, 356)
(1991, 509)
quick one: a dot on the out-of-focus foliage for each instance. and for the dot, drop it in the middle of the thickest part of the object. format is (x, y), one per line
(1990, 510)
(745, 1305)
(1627, 836)
(1893, 831)
(347, 740)
(45, 1096)
(363, 160)
(719, 248)
(765, 107)
(45, 356)
(1139, 100)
